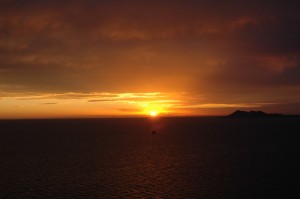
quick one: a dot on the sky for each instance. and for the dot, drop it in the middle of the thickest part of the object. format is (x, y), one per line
(111, 58)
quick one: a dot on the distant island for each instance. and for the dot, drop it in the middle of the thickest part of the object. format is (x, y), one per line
(254, 114)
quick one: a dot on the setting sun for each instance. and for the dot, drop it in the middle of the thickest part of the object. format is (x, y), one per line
(154, 108)
(153, 113)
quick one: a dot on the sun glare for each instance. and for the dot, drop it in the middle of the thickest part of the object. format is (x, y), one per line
(154, 108)
(153, 113)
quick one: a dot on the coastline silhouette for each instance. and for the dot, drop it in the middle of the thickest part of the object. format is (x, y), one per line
(254, 114)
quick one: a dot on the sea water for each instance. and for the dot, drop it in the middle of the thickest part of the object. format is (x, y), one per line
(188, 157)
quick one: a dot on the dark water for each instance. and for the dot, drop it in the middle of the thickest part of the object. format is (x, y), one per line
(121, 158)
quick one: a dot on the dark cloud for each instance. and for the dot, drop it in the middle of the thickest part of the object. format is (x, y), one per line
(268, 36)
(209, 47)
(290, 76)
(49, 103)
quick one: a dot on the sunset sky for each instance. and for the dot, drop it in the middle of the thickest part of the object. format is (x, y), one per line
(100, 58)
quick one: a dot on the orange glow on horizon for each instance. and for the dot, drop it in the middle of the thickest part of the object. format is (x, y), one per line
(53, 105)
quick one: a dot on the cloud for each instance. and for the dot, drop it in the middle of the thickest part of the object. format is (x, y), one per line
(49, 103)
(71, 95)
(95, 50)
(102, 97)
(208, 106)
(134, 97)
(268, 36)
(129, 110)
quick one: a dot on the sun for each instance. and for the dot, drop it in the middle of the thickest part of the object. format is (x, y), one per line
(153, 113)
(153, 110)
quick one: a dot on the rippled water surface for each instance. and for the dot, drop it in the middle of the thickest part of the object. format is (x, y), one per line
(121, 158)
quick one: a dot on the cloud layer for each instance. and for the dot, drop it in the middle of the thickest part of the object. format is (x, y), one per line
(229, 52)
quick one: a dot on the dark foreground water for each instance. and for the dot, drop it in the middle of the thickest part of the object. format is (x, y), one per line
(121, 158)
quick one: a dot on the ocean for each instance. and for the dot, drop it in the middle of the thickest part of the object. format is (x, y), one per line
(188, 157)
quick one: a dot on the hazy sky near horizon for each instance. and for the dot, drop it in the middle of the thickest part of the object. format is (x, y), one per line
(129, 57)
